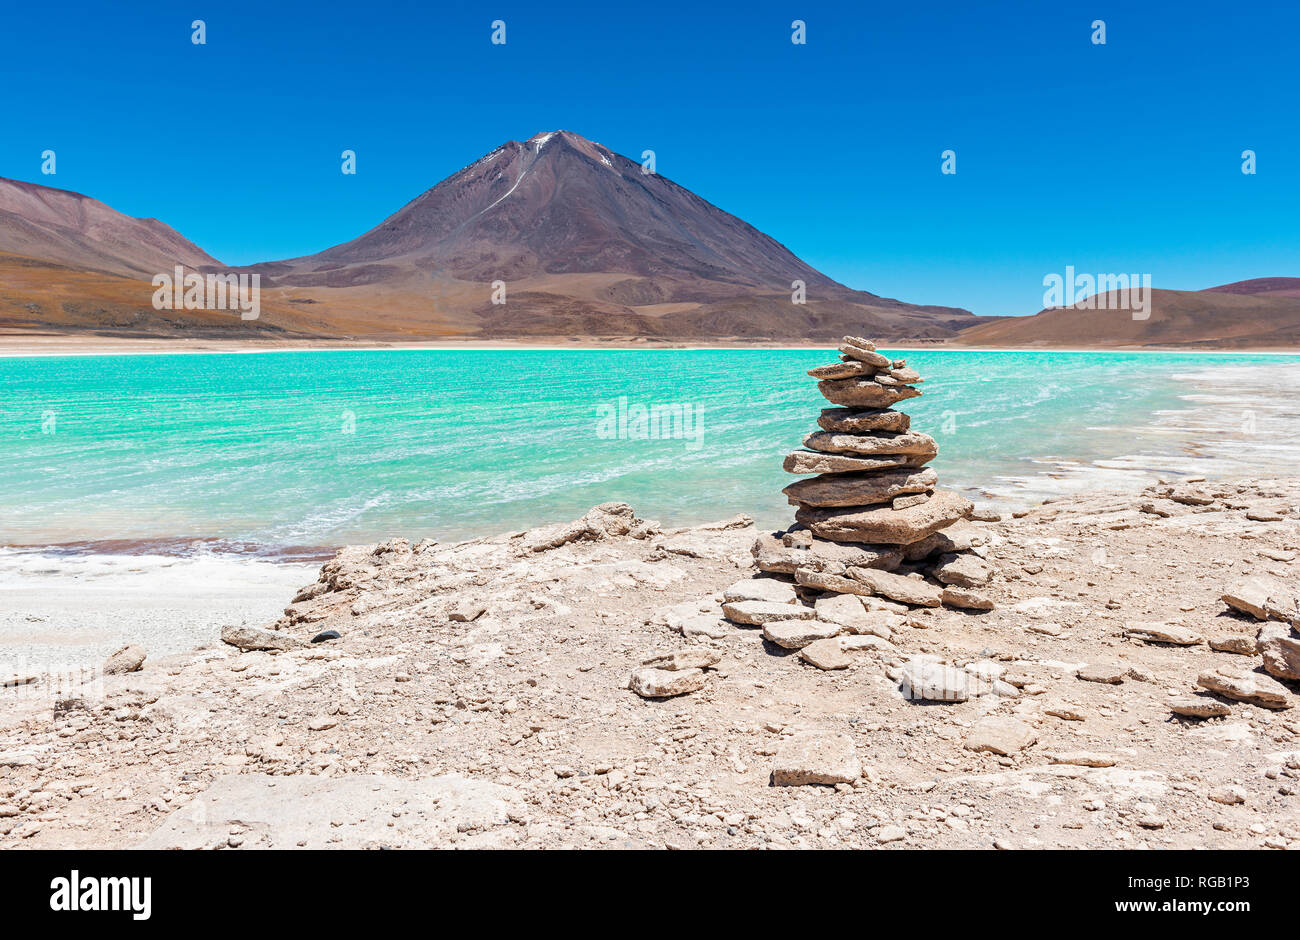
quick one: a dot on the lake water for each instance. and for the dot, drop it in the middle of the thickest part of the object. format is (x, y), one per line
(285, 454)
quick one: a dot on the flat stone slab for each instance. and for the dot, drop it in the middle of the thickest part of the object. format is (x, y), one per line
(860, 489)
(959, 537)
(825, 581)
(348, 812)
(1251, 687)
(1005, 736)
(812, 757)
(962, 569)
(649, 682)
(865, 354)
(1279, 646)
(1150, 632)
(863, 420)
(934, 682)
(1250, 597)
(714, 628)
(965, 598)
(887, 525)
(899, 588)
(843, 370)
(774, 557)
(910, 443)
(796, 634)
(811, 461)
(1105, 673)
(685, 659)
(258, 638)
(1083, 759)
(757, 613)
(1234, 643)
(912, 499)
(826, 654)
(1200, 707)
(864, 393)
(761, 589)
(849, 611)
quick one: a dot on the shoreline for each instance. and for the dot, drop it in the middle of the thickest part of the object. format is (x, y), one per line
(500, 667)
(12, 347)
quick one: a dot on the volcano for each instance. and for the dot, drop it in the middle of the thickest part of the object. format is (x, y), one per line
(579, 240)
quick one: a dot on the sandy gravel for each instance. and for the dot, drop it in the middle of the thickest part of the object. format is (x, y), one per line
(484, 688)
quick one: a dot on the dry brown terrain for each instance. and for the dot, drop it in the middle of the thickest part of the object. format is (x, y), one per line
(1247, 317)
(478, 696)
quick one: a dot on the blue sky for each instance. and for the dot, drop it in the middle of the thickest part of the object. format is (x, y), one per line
(1117, 158)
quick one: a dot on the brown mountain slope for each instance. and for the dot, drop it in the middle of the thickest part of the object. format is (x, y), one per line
(78, 232)
(586, 244)
(1193, 319)
(1270, 286)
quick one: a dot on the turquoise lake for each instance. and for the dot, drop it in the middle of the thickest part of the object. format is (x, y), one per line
(265, 452)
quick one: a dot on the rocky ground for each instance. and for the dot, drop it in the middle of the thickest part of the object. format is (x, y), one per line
(478, 694)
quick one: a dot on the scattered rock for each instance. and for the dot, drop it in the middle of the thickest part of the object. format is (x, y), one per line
(850, 611)
(965, 599)
(826, 654)
(771, 590)
(1251, 687)
(962, 570)
(1200, 708)
(685, 659)
(649, 682)
(1163, 633)
(1106, 673)
(808, 757)
(703, 625)
(1005, 736)
(1228, 796)
(127, 659)
(1279, 646)
(259, 638)
(326, 635)
(887, 525)
(1083, 759)
(466, 612)
(796, 634)
(757, 613)
(1234, 643)
(1250, 597)
(923, 680)
(896, 587)
(1263, 515)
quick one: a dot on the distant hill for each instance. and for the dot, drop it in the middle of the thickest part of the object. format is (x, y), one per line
(1262, 286)
(1264, 312)
(81, 233)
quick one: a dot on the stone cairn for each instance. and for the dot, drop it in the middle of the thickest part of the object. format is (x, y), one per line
(870, 521)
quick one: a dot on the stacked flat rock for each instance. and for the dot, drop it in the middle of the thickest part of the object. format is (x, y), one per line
(870, 505)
